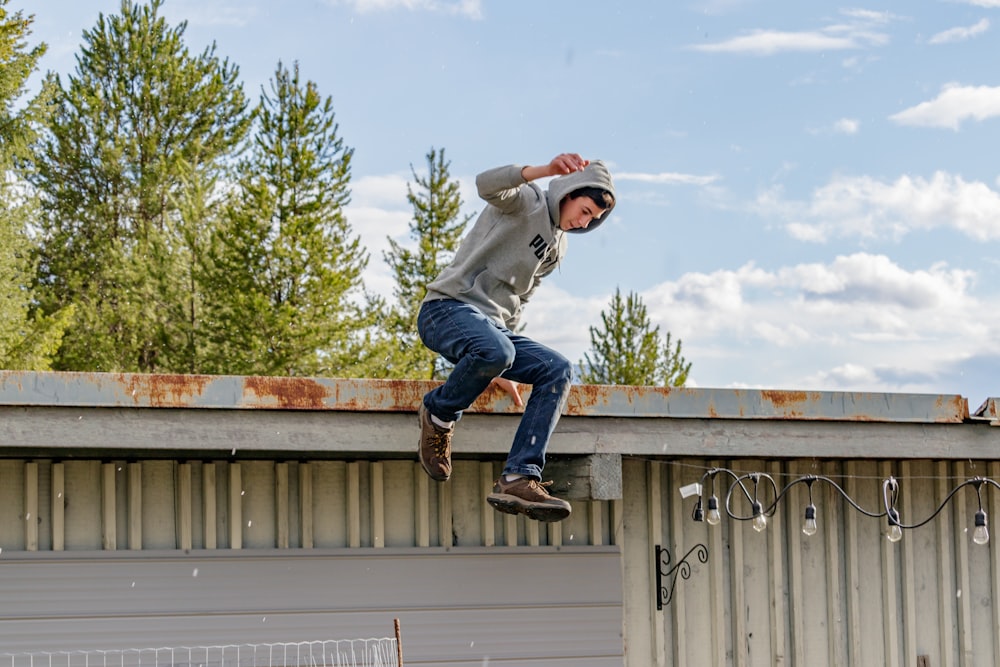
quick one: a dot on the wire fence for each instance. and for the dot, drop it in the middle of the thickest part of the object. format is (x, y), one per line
(377, 652)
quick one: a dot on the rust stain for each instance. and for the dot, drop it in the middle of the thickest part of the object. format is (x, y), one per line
(958, 405)
(290, 393)
(789, 403)
(380, 395)
(163, 390)
(784, 399)
(583, 396)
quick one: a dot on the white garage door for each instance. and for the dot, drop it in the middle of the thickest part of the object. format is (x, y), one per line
(457, 607)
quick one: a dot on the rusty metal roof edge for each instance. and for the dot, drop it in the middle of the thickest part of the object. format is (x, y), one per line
(989, 411)
(102, 390)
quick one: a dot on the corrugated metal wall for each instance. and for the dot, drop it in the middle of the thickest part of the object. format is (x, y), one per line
(100, 555)
(452, 605)
(845, 596)
(163, 504)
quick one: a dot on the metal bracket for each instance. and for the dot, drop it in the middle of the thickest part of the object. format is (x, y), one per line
(683, 569)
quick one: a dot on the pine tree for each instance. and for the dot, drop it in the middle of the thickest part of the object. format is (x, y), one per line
(436, 231)
(27, 342)
(627, 350)
(140, 126)
(283, 288)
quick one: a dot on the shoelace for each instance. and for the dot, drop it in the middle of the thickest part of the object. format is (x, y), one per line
(539, 487)
(441, 444)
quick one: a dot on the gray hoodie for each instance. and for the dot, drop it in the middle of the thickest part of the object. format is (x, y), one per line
(515, 242)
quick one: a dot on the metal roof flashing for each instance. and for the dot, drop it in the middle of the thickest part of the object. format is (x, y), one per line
(227, 392)
(989, 411)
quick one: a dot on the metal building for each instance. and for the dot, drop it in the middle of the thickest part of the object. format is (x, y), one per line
(152, 510)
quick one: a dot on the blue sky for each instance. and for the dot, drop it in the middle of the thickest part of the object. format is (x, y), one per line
(809, 194)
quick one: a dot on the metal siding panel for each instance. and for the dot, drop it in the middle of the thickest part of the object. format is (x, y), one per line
(376, 517)
(30, 522)
(82, 497)
(777, 598)
(564, 607)
(210, 508)
(836, 574)
(45, 496)
(928, 632)
(329, 504)
(58, 506)
(959, 540)
(184, 503)
(852, 550)
(159, 498)
(637, 576)
(988, 561)
(257, 504)
(466, 504)
(12, 499)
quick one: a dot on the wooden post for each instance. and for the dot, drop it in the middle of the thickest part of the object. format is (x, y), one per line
(399, 644)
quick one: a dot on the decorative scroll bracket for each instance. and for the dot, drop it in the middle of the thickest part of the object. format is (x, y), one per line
(682, 569)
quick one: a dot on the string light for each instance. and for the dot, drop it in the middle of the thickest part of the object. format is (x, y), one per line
(981, 535)
(752, 486)
(714, 516)
(895, 533)
(759, 519)
(809, 526)
(809, 523)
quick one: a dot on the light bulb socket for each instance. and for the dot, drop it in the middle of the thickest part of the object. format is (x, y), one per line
(713, 503)
(810, 512)
(980, 518)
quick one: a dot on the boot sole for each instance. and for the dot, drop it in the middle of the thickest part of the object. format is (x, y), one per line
(514, 505)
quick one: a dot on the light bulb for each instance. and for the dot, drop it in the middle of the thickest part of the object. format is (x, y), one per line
(981, 535)
(713, 517)
(809, 525)
(895, 532)
(759, 520)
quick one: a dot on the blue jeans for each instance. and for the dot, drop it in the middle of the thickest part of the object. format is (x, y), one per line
(481, 350)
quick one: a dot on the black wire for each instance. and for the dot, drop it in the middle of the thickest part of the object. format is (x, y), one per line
(890, 494)
(976, 481)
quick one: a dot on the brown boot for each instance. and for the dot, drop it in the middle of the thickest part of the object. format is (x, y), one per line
(527, 496)
(435, 446)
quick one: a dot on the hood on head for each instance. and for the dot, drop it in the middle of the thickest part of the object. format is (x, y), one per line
(596, 175)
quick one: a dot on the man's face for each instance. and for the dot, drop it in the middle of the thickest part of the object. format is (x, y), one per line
(578, 213)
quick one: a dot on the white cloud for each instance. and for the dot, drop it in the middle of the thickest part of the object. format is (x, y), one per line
(953, 105)
(860, 322)
(379, 210)
(860, 31)
(468, 8)
(669, 178)
(847, 126)
(961, 33)
(861, 206)
(769, 42)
